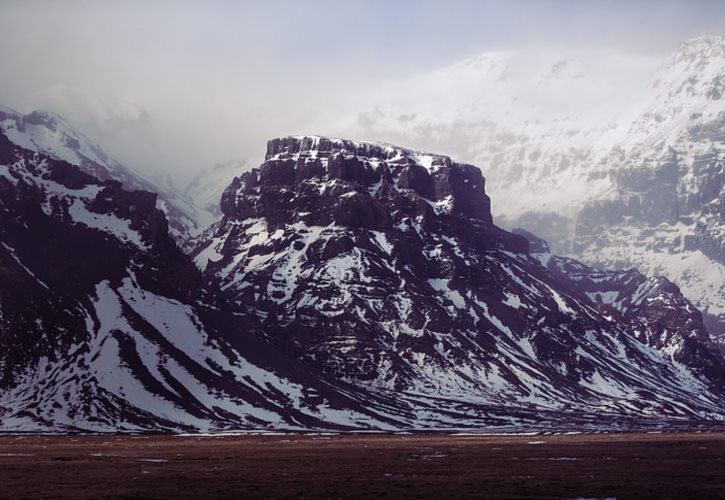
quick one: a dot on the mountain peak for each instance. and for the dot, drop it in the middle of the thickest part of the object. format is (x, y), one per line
(379, 272)
(48, 133)
(703, 44)
(697, 55)
(320, 180)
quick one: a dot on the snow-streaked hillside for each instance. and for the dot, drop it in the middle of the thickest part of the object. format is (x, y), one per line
(50, 134)
(106, 326)
(349, 286)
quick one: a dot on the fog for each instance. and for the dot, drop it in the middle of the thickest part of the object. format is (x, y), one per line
(174, 87)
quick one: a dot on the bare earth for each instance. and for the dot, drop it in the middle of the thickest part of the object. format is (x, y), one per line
(676, 465)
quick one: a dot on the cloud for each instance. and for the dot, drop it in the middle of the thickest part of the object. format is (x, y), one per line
(182, 85)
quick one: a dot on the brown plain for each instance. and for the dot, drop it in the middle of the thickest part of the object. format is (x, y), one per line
(668, 465)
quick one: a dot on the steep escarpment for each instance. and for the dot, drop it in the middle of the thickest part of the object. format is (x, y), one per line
(319, 181)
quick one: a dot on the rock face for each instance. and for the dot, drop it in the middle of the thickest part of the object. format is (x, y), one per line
(51, 135)
(361, 180)
(105, 325)
(381, 267)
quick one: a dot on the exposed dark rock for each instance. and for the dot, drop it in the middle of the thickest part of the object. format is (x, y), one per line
(349, 286)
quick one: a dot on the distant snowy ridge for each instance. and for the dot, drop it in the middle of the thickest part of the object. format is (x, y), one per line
(205, 189)
(613, 160)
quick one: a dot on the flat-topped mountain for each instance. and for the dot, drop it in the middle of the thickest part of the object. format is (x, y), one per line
(381, 266)
(348, 286)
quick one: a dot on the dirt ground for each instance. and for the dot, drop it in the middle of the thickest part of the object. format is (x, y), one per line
(642, 466)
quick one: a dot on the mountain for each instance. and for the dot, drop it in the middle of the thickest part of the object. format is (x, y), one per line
(665, 213)
(381, 267)
(51, 135)
(615, 162)
(105, 325)
(348, 286)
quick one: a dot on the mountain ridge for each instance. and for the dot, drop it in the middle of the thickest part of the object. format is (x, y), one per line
(107, 326)
(349, 285)
(139, 340)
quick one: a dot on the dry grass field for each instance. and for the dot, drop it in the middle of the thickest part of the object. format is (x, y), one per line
(642, 466)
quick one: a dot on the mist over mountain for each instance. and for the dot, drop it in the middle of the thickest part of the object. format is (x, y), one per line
(179, 88)
(614, 173)
(614, 159)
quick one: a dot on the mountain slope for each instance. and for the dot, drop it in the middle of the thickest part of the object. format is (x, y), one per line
(51, 135)
(381, 267)
(105, 325)
(356, 286)
(647, 303)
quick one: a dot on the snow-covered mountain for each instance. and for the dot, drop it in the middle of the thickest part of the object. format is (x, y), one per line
(50, 134)
(105, 325)
(381, 267)
(360, 285)
(614, 161)
(348, 286)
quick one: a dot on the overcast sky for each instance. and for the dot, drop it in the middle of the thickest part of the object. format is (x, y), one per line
(184, 85)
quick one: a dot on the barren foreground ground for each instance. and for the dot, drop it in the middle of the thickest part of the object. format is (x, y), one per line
(681, 465)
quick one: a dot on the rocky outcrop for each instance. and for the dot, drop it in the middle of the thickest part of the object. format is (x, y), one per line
(321, 181)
